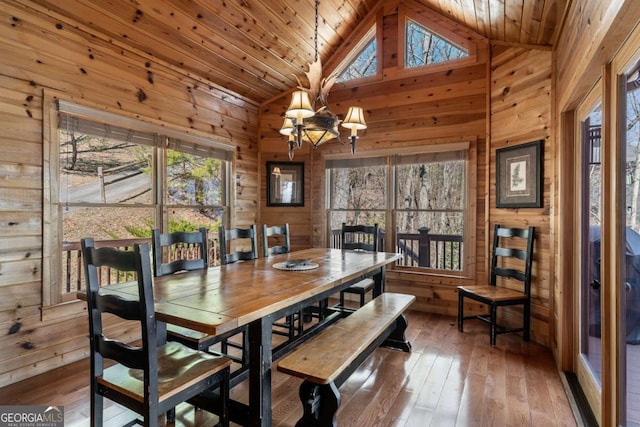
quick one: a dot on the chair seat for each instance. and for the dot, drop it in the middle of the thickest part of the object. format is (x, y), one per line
(184, 334)
(362, 286)
(493, 293)
(179, 367)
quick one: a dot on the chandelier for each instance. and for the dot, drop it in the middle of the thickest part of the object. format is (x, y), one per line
(304, 123)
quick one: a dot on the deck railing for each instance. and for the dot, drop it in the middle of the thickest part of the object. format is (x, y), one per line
(73, 270)
(422, 249)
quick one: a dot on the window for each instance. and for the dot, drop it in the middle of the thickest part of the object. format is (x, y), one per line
(357, 192)
(364, 65)
(116, 183)
(424, 47)
(426, 210)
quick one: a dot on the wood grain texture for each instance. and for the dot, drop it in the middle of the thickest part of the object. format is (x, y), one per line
(449, 379)
(220, 299)
(326, 355)
(70, 61)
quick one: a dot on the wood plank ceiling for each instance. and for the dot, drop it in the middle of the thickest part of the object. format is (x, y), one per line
(255, 47)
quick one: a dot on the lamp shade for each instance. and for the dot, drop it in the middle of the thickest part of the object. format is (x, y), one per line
(354, 119)
(300, 106)
(287, 126)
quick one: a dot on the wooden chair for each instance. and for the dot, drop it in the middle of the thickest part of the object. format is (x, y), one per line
(179, 251)
(226, 237)
(293, 322)
(173, 248)
(275, 231)
(154, 377)
(512, 247)
(360, 238)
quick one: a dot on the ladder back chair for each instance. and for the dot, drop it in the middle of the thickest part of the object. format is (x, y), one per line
(283, 240)
(226, 239)
(154, 377)
(178, 252)
(280, 233)
(228, 236)
(511, 259)
(360, 238)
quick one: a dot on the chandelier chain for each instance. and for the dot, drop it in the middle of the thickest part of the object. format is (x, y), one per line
(315, 32)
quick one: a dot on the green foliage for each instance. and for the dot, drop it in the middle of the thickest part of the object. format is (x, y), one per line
(141, 231)
(190, 227)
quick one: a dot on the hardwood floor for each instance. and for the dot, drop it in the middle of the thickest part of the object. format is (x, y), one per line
(449, 379)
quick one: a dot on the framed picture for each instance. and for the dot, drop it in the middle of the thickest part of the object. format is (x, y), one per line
(519, 176)
(285, 184)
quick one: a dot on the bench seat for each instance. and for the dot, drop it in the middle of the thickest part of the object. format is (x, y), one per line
(327, 360)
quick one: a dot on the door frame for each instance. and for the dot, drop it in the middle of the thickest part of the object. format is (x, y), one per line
(590, 387)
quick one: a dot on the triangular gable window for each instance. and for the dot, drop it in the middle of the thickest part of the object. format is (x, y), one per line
(425, 47)
(365, 64)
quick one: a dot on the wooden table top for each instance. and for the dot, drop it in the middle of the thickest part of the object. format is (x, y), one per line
(220, 299)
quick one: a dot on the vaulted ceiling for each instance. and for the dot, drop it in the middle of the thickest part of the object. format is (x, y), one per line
(256, 47)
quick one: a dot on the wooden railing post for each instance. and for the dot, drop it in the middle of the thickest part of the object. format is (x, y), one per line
(424, 247)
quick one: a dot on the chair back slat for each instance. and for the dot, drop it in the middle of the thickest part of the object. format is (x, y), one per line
(511, 252)
(123, 308)
(129, 356)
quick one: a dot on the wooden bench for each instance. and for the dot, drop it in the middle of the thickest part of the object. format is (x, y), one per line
(328, 359)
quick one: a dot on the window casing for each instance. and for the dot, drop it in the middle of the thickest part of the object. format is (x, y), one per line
(425, 47)
(364, 65)
(116, 179)
(422, 201)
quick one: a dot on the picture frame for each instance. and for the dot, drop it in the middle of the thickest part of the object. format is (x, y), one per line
(285, 183)
(519, 176)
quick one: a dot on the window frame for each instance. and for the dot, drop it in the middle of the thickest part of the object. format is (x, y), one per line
(437, 26)
(469, 237)
(363, 37)
(52, 230)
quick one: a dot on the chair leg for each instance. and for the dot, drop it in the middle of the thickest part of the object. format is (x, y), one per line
(96, 409)
(300, 322)
(362, 298)
(493, 330)
(460, 311)
(171, 415)
(245, 347)
(342, 299)
(527, 321)
(224, 395)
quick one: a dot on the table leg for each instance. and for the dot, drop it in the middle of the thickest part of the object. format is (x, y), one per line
(378, 282)
(260, 372)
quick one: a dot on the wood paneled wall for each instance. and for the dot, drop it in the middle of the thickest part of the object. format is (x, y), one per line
(521, 112)
(446, 104)
(42, 53)
(403, 109)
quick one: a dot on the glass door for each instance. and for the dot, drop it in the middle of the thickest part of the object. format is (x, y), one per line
(588, 299)
(629, 255)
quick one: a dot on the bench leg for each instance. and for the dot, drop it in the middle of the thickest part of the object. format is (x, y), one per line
(460, 311)
(397, 338)
(320, 404)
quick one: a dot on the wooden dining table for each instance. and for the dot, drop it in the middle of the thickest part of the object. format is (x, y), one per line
(255, 294)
